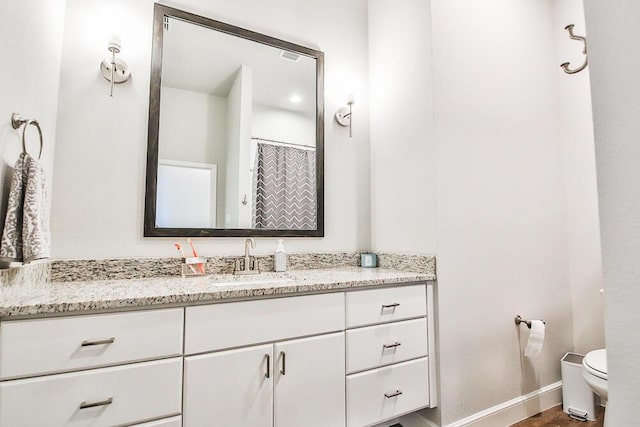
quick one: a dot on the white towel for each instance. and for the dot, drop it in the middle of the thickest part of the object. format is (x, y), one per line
(26, 235)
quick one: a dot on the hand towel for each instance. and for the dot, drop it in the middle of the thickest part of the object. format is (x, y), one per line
(26, 236)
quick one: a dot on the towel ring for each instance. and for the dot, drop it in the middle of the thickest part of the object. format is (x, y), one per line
(17, 121)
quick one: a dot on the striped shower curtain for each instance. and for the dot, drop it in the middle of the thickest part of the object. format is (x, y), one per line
(285, 188)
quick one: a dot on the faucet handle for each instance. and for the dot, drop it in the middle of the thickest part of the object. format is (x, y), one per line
(255, 264)
(246, 265)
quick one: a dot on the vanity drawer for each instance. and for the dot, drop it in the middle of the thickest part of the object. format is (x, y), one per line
(385, 305)
(385, 344)
(38, 346)
(138, 392)
(227, 325)
(406, 385)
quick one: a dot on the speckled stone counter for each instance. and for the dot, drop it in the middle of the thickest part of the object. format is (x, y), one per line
(70, 297)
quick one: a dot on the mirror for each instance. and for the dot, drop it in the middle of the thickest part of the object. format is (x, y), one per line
(236, 133)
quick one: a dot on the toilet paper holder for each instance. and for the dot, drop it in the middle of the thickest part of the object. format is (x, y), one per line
(519, 320)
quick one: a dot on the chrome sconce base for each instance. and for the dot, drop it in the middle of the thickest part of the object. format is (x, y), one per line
(344, 115)
(121, 73)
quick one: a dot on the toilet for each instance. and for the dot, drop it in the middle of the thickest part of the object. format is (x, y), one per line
(594, 371)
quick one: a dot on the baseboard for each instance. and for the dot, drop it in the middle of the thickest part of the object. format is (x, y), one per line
(514, 410)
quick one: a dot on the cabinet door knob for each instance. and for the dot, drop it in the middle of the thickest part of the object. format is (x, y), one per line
(99, 342)
(268, 373)
(394, 305)
(283, 357)
(85, 404)
(395, 344)
(394, 394)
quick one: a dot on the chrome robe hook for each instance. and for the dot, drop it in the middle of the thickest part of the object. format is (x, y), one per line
(565, 66)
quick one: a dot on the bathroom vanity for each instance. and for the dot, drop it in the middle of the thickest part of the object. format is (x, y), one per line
(342, 347)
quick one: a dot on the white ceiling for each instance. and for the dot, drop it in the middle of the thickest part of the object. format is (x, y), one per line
(204, 60)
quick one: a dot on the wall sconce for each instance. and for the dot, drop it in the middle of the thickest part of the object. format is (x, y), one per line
(114, 70)
(344, 115)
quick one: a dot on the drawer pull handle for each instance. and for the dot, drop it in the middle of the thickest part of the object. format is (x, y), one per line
(394, 305)
(85, 405)
(268, 373)
(394, 394)
(394, 345)
(283, 356)
(99, 342)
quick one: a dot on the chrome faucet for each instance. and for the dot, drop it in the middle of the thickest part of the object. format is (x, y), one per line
(250, 264)
(248, 244)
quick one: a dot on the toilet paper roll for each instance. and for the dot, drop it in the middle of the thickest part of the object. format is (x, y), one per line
(536, 339)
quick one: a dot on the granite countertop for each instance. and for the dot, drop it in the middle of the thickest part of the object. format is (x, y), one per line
(68, 297)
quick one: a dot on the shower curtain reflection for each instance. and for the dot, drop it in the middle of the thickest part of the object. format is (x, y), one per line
(285, 188)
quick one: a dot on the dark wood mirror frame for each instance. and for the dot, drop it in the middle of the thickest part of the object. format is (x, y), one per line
(150, 228)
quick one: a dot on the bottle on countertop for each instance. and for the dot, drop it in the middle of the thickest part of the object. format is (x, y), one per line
(280, 258)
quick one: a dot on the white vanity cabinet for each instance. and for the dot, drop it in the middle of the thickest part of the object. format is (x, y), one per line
(351, 358)
(389, 345)
(288, 382)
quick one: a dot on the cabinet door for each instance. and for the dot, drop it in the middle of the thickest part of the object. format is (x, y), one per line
(229, 388)
(310, 382)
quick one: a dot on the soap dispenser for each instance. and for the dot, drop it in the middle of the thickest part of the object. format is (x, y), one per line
(280, 258)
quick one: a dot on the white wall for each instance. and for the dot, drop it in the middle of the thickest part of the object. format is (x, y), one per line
(403, 173)
(502, 238)
(615, 88)
(192, 126)
(503, 191)
(238, 148)
(245, 184)
(31, 45)
(283, 125)
(583, 229)
(102, 149)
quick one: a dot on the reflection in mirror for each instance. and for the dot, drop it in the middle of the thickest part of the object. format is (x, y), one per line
(235, 138)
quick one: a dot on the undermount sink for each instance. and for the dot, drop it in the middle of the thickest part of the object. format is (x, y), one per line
(225, 280)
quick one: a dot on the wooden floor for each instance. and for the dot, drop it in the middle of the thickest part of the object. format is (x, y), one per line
(554, 417)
